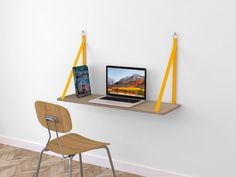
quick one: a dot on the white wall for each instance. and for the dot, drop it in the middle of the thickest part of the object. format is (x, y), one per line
(39, 41)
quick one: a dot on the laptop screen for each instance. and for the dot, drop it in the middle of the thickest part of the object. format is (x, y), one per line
(126, 81)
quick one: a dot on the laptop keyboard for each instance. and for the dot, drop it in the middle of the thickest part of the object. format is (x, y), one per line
(126, 100)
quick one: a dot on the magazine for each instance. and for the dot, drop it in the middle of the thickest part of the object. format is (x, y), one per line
(81, 78)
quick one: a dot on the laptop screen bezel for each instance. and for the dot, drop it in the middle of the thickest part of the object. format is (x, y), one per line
(132, 68)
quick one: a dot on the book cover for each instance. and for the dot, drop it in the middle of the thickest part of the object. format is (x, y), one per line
(81, 78)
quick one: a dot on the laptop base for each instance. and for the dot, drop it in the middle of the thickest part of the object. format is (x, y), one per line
(126, 104)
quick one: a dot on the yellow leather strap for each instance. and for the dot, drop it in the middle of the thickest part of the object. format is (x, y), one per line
(81, 49)
(172, 60)
(174, 74)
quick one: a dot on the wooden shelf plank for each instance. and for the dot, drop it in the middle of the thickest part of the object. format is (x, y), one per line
(147, 106)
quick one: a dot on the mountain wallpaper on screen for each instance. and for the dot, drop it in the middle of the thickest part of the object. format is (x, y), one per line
(129, 85)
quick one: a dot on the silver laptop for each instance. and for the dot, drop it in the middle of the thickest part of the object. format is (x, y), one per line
(125, 87)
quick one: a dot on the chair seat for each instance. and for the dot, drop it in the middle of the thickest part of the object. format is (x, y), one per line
(73, 143)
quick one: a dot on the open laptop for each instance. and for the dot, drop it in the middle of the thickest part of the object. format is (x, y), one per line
(125, 87)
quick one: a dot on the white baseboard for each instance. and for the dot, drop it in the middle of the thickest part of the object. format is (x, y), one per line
(95, 160)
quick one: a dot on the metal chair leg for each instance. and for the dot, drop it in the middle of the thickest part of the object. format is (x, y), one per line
(110, 159)
(70, 165)
(81, 165)
(40, 159)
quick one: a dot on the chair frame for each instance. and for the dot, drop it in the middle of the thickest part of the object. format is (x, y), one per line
(54, 120)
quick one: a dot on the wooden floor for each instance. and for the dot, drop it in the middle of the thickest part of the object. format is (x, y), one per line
(17, 162)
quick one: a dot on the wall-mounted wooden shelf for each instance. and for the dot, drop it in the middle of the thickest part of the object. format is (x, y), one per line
(152, 107)
(147, 107)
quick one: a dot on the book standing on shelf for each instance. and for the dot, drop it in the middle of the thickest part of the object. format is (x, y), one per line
(81, 79)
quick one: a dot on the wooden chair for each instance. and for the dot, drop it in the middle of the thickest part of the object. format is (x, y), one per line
(57, 118)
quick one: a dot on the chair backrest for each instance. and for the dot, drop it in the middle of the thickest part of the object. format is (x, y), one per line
(61, 114)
